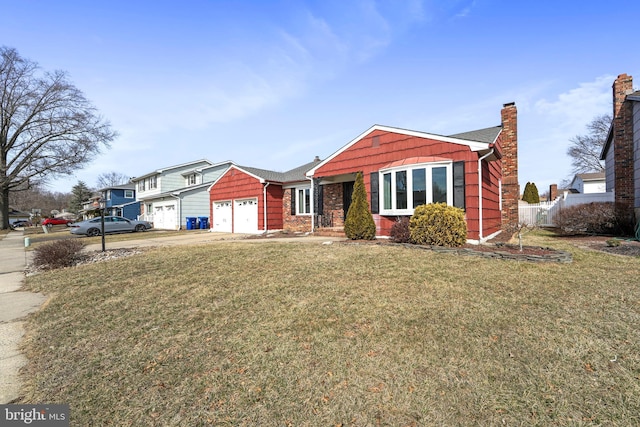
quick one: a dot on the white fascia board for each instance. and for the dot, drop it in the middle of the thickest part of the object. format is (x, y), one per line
(473, 145)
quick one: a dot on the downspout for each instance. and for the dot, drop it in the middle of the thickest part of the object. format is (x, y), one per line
(313, 207)
(264, 205)
(480, 192)
(179, 210)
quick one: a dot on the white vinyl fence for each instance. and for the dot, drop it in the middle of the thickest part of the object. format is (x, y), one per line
(544, 214)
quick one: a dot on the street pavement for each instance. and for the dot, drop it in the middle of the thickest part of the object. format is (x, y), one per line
(16, 304)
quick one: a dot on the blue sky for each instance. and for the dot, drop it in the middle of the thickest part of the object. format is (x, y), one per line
(271, 84)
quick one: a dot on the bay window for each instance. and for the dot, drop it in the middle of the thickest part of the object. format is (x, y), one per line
(406, 187)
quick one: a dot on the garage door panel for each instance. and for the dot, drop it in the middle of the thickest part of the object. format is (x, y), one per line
(223, 216)
(245, 216)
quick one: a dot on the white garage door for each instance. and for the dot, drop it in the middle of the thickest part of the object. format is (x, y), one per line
(222, 217)
(245, 216)
(165, 216)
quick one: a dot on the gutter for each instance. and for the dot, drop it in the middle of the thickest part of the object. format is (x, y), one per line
(480, 192)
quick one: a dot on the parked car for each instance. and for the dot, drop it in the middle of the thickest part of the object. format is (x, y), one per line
(21, 223)
(49, 222)
(112, 224)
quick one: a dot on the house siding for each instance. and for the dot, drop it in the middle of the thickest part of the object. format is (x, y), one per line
(609, 172)
(380, 148)
(235, 184)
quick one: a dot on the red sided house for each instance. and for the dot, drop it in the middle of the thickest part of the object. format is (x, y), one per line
(476, 171)
(250, 200)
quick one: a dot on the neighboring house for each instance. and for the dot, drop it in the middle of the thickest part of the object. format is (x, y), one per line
(17, 215)
(476, 171)
(586, 183)
(250, 200)
(170, 195)
(621, 152)
(120, 200)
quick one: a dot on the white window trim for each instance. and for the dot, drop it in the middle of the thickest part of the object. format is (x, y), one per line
(189, 177)
(130, 192)
(409, 170)
(298, 190)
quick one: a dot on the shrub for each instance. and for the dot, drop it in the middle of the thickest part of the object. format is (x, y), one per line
(439, 225)
(589, 218)
(61, 253)
(359, 223)
(400, 230)
(530, 194)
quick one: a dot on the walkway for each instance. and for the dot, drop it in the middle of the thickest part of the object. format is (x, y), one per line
(14, 306)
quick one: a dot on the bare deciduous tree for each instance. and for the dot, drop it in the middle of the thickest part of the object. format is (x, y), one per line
(585, 150)
(110, 179)
(47, 126)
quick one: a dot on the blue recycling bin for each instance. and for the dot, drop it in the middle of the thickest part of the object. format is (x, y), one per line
(204, 222)
(191, 223)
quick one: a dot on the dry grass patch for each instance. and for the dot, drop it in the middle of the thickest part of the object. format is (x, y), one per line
(294, 333)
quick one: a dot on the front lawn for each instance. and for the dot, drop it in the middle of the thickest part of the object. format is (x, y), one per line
(304, 334)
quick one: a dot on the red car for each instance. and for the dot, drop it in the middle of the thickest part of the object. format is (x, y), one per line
(56, 221)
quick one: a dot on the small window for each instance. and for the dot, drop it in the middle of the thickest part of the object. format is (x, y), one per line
(191, 179)
(153, 182)
(303, 201)
(141, 185)
(128, 194)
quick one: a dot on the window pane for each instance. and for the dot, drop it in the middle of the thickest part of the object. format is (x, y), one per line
(401, 190)
(386, 188)
(419, 187)
(307, 201)
(300, 201)
(439, 182)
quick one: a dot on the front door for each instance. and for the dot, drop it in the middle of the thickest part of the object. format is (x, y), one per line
(347, 193)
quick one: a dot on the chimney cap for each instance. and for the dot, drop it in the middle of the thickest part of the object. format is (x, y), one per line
(509, 104)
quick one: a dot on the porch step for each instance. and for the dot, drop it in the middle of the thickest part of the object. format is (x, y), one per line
(330, 232)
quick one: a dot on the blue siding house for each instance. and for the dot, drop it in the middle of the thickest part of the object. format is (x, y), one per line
(121, 201)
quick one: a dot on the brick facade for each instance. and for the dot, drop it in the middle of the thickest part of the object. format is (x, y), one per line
(293, 223)
(333, 199)
(553, 192)
(510, 186)
(623, 148)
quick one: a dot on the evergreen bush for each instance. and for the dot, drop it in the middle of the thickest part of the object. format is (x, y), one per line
(359, 224)
(439, 225)
(530, 194)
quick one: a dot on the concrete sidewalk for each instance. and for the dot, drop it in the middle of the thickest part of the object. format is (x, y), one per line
(14, 306)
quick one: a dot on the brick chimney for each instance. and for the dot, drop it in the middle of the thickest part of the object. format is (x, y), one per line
(623, 167)
(553, 192)
(510, 186)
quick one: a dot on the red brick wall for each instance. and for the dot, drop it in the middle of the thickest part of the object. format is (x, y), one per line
(510, 186)
(333, 203)
(623, 148)
(293, 223)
